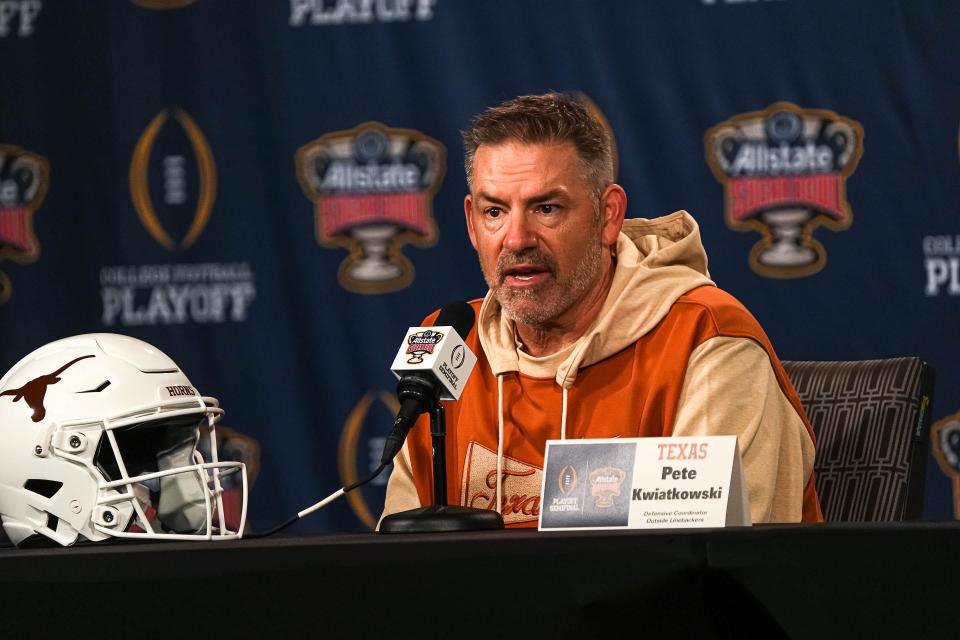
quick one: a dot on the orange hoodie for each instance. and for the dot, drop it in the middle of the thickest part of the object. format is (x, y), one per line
(669, 354)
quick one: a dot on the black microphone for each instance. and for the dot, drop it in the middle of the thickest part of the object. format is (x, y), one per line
(433, 364)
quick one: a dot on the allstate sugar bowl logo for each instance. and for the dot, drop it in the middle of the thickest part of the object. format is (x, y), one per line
(24, 177)
(605, 485)
(784, 172)
(373, 188)
(422, 343)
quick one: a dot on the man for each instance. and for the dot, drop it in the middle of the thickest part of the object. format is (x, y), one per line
(596, 327)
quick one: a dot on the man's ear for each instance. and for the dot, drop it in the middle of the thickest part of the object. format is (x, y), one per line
(467, 207)
(613, 209)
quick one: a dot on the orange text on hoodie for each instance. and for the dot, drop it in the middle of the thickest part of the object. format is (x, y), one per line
(668, 355)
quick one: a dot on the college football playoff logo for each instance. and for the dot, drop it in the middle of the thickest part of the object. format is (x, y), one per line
(24, 177)
(784, 172)
(174, 180)
(567, 480)
(373, 187)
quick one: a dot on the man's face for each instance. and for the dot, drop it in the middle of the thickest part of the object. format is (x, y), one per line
(538, 231)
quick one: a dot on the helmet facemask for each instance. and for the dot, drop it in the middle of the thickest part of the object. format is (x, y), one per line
(155, 483)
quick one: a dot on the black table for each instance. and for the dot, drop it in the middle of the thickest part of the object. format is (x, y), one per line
(803, 581)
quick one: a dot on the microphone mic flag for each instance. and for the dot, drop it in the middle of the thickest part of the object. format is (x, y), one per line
(432, 364)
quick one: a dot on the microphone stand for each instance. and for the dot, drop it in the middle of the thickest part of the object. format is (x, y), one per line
(438, 436)
(441, 516)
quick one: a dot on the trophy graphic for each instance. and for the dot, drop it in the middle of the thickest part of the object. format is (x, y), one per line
(787, 248)
(373, 264)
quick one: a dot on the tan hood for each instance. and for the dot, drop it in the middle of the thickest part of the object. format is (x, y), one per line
(658, 261)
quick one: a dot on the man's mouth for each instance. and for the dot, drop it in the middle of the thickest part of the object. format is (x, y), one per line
(525, 275)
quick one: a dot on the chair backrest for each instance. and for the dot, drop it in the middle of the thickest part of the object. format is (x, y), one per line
(872, 420)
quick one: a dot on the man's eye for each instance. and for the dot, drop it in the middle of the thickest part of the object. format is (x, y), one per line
(547, 208)
(493, 212)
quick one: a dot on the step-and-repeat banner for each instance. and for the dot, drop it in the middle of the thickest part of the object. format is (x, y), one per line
(271, 191)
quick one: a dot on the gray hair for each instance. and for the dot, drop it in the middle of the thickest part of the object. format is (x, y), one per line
(547, 118)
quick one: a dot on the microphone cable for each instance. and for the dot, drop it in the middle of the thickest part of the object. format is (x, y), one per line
(333, 496)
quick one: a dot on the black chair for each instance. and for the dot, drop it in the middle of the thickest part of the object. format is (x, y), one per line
(872, 420)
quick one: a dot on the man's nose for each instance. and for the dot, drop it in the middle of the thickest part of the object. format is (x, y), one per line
(519, 234)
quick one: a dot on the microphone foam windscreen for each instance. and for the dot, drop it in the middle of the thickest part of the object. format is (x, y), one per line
(458, 315)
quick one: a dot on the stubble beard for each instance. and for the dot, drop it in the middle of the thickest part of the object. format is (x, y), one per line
(538, 306)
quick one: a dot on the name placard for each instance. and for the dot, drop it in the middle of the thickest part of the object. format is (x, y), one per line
(643, 483)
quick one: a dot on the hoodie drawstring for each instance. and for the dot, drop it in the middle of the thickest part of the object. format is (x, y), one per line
(563, 417)
(499, 437)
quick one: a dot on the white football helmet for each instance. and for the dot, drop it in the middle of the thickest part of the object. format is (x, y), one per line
(98, 439)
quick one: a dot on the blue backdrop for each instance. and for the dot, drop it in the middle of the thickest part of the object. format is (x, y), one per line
(163, 162)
